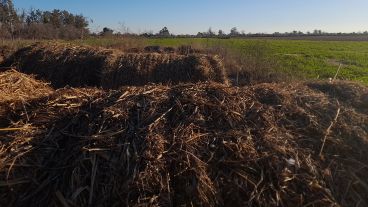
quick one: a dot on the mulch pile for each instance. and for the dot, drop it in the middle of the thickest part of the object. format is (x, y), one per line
(201, 144)
(79, 66)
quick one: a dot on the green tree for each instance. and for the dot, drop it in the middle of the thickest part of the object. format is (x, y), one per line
(221, 33)
(40, 24)
(67, 18)
(107, 31)
(164, 32)
(46, 17)
(56, 18)
(80, 22)
(8, 16)
(34, 16)
(234, 32)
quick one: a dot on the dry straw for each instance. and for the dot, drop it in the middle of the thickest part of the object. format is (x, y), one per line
(64, 64)
(189, 145)
(16, 86)
(16, 89)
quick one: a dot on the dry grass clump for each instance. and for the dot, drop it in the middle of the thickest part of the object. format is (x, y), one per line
(65, 64)
(16, 86)
(187, 145)
(16, 90)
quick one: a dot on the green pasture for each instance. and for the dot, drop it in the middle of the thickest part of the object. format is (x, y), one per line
(311, 59)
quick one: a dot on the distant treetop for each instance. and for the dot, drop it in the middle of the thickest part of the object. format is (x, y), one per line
(164, 32)
(37, 24)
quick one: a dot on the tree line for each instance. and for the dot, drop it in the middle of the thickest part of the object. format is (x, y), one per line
(234, 32)
(38, 24)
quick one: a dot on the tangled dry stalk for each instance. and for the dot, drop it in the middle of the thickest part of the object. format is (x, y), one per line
(188, 145)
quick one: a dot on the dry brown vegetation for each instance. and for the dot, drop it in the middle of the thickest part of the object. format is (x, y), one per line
(250, 64)
(16, 89)
(204, 144)
(64, 64)
(5, 52)
(16, 86)
(140, 69)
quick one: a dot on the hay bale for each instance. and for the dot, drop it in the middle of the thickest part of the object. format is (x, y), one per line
(187, 50)
(140, 69)
(193, 144)
(153, 49)
(60, 64)
(169, 50)
(64, 64)
(133, 50)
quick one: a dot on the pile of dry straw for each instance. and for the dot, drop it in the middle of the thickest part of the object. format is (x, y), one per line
(65, 64)
(16, 89)
(187, 145)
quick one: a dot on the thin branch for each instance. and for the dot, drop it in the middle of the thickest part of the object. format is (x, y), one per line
(328, 130)
(337, 72)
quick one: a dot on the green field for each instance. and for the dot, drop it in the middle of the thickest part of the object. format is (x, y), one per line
(312, 59)
(300, 58)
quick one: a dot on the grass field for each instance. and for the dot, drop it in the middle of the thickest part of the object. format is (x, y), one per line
(298, 58)
(311, 59)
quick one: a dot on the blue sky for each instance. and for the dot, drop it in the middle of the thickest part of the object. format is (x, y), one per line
(191, 16)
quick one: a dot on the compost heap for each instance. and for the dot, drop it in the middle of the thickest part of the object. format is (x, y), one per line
(188, 145)
(71, 65)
